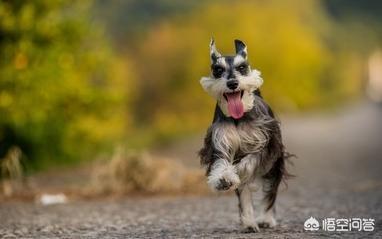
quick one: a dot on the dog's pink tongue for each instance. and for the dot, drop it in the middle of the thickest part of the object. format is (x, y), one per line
(235, 106)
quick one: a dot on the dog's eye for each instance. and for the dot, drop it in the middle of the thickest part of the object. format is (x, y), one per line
(217, 71)
(242, 68)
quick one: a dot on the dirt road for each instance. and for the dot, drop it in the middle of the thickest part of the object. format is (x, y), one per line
(339, 169)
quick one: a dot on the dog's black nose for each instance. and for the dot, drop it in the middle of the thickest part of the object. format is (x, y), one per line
(232, 84)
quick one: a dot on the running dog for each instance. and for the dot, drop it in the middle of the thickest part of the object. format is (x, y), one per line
(243, 148)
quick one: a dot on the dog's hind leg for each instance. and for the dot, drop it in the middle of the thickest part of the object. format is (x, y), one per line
(266, 195)
(246, 211)
(264, 202)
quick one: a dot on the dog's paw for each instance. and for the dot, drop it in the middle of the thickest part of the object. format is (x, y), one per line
(250, 228)
(266, 221)
(224, 183)
(223, 178)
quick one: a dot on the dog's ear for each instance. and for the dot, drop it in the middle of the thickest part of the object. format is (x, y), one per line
(213, 52)
(241, 48)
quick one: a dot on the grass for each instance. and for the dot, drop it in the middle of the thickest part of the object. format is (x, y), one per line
(134, 172)
(11, 172)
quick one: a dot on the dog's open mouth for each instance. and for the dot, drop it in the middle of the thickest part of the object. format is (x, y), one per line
(235, 105)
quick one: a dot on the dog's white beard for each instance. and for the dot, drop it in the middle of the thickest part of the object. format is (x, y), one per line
(217, 87)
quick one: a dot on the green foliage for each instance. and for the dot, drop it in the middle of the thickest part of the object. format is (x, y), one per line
(62, 90)
(290, 42)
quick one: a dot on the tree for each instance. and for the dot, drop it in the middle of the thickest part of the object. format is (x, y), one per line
(63, 92)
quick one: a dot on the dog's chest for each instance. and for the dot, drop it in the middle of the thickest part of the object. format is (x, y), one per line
(245, 138)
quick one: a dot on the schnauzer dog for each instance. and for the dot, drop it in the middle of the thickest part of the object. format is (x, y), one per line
(243, 148)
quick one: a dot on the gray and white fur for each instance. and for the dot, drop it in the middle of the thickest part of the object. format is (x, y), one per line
(244, 154)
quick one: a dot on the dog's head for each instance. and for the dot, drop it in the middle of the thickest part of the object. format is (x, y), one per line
(232, 81)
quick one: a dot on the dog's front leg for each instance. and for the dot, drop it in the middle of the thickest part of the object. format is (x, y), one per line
(223, 176)
(246, 211)
(247, 167)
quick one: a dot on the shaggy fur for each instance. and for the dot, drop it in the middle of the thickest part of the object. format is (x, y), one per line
(245, 154)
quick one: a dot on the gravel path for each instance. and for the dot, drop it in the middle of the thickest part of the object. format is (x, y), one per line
(339, 175)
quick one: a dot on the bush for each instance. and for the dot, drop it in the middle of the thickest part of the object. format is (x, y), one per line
(62, 90)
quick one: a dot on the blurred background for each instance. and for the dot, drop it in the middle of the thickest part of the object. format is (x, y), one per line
(106, 93)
